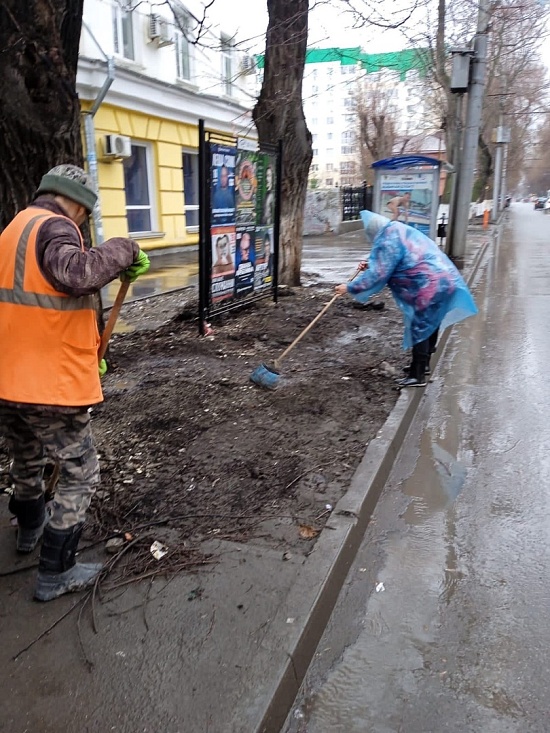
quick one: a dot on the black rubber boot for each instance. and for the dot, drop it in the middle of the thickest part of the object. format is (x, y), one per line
(417, 373)
(419, 369)
(58, 571)
(31, 520)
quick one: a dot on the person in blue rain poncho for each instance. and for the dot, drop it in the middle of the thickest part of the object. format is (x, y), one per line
(427, 287)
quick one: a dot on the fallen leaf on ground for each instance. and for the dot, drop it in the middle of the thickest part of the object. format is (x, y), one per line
(307, 533)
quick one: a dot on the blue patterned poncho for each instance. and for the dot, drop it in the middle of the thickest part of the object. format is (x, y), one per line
(426, 285)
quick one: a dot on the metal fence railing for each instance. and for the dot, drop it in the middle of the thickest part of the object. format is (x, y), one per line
(354, 200)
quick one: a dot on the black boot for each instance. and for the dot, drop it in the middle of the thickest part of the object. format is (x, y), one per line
(31, 520)
(58, 571)
(417, 373)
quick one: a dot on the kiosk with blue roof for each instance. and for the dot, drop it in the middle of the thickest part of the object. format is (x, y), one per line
(406, 188)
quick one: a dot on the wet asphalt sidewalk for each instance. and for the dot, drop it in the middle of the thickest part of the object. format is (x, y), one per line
(164, 662)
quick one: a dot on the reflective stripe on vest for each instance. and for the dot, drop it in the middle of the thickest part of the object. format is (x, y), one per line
(19, 296)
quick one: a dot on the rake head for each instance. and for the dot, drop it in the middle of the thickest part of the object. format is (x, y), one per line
(266, 377)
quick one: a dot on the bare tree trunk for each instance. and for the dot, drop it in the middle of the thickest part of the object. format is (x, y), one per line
(485, 168)
(39, 113)
(279, 114)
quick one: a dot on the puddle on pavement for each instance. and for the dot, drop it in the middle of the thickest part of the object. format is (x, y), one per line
(155, 282)
(171, 277)
(438, 480)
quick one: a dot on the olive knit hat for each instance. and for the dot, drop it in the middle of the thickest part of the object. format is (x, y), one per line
(72, 182)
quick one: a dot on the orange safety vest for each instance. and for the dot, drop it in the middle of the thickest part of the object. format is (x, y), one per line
(48, 340)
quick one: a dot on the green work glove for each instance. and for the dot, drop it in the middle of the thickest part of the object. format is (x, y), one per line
(139, 267)
(102, 368)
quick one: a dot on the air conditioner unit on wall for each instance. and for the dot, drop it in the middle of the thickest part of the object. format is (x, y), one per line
(116, 146)
(160, 31)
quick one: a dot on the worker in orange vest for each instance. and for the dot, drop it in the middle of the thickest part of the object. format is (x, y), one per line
(49, 372)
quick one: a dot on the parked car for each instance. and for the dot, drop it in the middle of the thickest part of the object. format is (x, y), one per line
(539, 203)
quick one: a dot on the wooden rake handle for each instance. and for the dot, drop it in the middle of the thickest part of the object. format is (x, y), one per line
(113, 315)
(306, 329)
(313, 322)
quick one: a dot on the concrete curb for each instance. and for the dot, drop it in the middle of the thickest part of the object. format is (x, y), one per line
(303, 617)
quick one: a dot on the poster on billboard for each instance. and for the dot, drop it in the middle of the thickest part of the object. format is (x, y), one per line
(223, 263)
(263, 274)
(246, 185)
(238, 234)
(265, 210)
(408, 197)
(245, 258)
(222, 194)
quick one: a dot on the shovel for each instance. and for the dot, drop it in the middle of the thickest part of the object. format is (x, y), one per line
(113, 315)
(268, 376)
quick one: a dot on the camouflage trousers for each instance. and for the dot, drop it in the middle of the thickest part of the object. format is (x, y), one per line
(34, 436)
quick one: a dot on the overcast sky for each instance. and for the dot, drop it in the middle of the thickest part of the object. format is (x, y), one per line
(327, 27)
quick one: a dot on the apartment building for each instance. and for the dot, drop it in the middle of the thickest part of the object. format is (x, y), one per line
(333, 80)
(145, 131)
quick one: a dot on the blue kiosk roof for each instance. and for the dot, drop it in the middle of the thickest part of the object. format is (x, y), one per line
(406, 161)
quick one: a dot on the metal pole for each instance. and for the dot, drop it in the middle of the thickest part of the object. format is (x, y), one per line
(471, 134)
(503, 178)
(204, 228)
(457, 157)
(496, 183)
(91, 156)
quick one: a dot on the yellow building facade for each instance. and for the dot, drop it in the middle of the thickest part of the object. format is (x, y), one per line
(165, 141)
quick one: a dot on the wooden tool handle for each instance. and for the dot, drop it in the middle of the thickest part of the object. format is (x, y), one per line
(313, 322)
(113, 315)
(306, 329)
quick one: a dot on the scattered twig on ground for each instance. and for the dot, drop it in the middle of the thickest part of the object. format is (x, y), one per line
(87, 660)
(305, 473)
(51, 627)
(6, 573)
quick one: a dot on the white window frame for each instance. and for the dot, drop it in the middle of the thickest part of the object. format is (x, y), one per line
(151, 189)
(191, 207)
(119, 11)
(227, 64)
(183, 28)
(180, 42)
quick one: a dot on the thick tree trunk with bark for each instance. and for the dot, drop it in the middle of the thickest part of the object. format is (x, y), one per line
(39, 109)
(279, 114)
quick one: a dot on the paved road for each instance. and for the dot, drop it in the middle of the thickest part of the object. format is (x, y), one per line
(457, 637)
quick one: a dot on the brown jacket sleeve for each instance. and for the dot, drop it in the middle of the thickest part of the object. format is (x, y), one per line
(73, 271)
